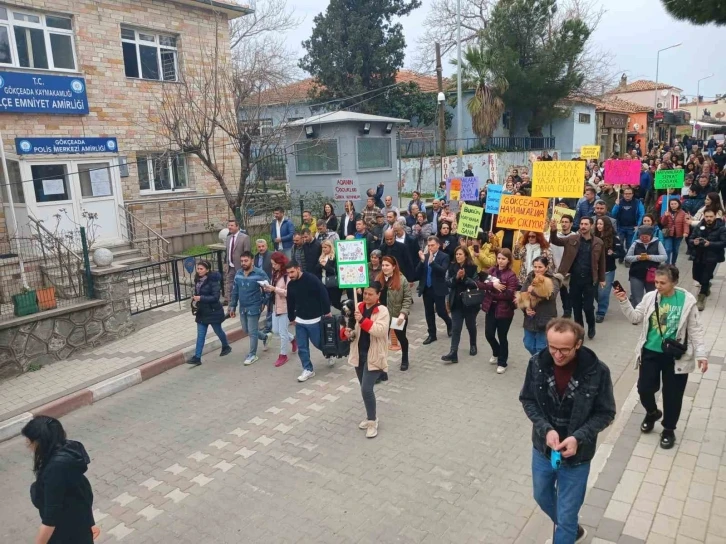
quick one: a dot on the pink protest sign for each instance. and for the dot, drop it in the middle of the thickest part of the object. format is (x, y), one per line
(622, 172)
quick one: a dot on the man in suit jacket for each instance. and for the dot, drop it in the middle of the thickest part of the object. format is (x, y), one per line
(432, 285)
(411, 248)
(391, 248)
(263, 261)
(236, 243)
(433, 216)
(346, 225)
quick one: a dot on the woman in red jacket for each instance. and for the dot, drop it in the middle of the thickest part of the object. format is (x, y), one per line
(498, 305)
(675, 227)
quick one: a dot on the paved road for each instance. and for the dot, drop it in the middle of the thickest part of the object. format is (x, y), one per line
(226, 453)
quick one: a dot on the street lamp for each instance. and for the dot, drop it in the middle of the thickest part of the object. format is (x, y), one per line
(698, 99)
(655, 98)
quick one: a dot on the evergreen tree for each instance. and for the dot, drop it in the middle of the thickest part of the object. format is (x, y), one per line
(698, 12)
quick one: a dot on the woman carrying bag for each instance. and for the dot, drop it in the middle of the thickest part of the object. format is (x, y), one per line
(396, 296)
(329, 273)
(670, 343)
(61, 492)
(278, 291)
(536, 318)
(675, 227)
(207, 309)
(463, 304)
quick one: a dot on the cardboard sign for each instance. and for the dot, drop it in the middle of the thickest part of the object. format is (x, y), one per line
(590, 152)
(494, 198)
(352, 263)
(453, 188)
(346, 189)
(454, 206)
(551, 179)
(469, 220)
(463, 188)
(557, 214)
(669, 179)
(622, 172)
(522, 212)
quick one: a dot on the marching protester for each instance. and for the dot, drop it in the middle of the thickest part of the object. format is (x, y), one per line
(711, 202)
(566, 420)
(544, 305)
(649, 221)
(298, 250)
(421, 230)
(530, 246)
(61, 492)
(328, 273)
(706, 245)
(584, 259)
(483, 255)
(399, 251)
(312, 250)
(374, 265)
(498, 305)
(463, 304)
(431, 273)
(586, 206)
(644, 257)
(628, 212)
(369, 350)
(557, 251)
(397, 297)
(434, 214)
(412, 247)
(671, 340)
(675, 227)
(207, 309)
(613, 248)
(237, 242)
(277, 291)
(247, 290)
(307, 303)
(331, 220)
(448, 240)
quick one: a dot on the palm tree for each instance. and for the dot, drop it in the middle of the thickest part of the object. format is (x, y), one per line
(486, 106)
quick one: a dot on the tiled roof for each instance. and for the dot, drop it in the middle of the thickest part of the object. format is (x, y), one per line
(618, 105)
(299, 91)
(235, 8)
(642, 85)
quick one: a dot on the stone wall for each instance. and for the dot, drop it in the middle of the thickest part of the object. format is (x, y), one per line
(50, 336)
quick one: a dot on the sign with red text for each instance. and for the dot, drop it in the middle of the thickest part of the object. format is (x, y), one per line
(346, 189)
(522, 212)
(622, 172)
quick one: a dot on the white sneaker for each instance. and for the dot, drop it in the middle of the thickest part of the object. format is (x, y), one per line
(251, 359)
(306, 375)
(363, 425)
(331, 362)
(372, 431)
(501, 369)
(266, 341)
(493, 360)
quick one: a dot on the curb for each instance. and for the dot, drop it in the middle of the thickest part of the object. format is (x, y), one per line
(11, 428)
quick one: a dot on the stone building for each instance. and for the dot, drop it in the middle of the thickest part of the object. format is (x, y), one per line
(80, 86)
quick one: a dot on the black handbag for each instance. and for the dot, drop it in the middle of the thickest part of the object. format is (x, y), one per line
(472, 297)
(670, 346)
(330, 281)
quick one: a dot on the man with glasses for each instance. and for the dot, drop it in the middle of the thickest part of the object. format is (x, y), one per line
(568, 397)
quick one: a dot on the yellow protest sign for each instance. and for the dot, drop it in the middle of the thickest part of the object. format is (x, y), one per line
(522, 212)
(469, 220)
(455, 189)
(564, 179)
(558, 212)
(590, 152)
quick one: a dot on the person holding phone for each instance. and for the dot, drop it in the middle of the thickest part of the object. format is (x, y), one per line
(396, 296)
(483, 255)
(671, 342)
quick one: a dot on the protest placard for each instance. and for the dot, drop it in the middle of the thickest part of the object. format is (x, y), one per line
(564, 179)
(669, 179)
(558, 212)
(352, 263)
(522, 212)
(453, 188)
(454, 205)
(468, 188)
(622, 172)
(590, 152)
(494, 197)
(469, 220)
(346, 189)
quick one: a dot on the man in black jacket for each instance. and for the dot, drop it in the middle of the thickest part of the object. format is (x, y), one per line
(312, 251)
(391, 248)
(431, 272)
(706, 245)
(412, 248)
(568, 397)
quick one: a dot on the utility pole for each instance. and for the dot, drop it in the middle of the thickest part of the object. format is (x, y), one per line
(459, 99)
(442, 103)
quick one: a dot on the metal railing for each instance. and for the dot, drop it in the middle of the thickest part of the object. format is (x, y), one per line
(167, 282)
(408, 148)
(141, 236)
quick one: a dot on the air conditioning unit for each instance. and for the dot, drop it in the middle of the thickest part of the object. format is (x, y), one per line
(659, 105)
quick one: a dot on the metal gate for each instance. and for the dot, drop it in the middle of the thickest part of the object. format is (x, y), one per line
(168, 282)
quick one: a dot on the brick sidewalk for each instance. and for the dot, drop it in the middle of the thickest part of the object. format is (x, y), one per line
(148, 342)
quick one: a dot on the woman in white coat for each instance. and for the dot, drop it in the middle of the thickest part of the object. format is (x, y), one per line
(670, 344)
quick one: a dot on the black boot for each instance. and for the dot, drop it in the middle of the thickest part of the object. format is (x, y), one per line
(404, 366)
(451, 357)
(649, 421)
(195, 361)
(383, 377)
(667, 439)
(472, 350)
(429, 340)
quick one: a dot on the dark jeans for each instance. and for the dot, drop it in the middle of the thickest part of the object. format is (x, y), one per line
(403, 340)
(367, 379)
(582, 295)
(495, 331)
(566, 302)
(652, 365)
(434, 305)
(703, 274)
(202, 335)
(459, 315)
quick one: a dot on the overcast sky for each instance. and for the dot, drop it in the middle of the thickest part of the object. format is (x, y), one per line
(632, 30)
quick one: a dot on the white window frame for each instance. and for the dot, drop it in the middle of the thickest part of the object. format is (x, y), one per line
(159, 47)
(150, 158)
(10, 23)
(265, 126)
(375, 168)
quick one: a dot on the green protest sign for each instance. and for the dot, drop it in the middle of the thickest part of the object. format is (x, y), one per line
(669, 179)
(469, 220)
(352, 262)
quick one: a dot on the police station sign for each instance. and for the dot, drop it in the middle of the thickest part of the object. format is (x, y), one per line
(65, 145)
(33, 93)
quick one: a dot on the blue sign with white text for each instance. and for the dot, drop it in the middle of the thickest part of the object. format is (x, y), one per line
(494, 198)
(65, 145)
(40, 93)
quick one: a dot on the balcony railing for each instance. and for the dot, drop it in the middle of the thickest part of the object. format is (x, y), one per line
(418, 147)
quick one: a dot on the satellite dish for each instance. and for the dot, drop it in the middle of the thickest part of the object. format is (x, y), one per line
(636, 126)
(664, 92)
